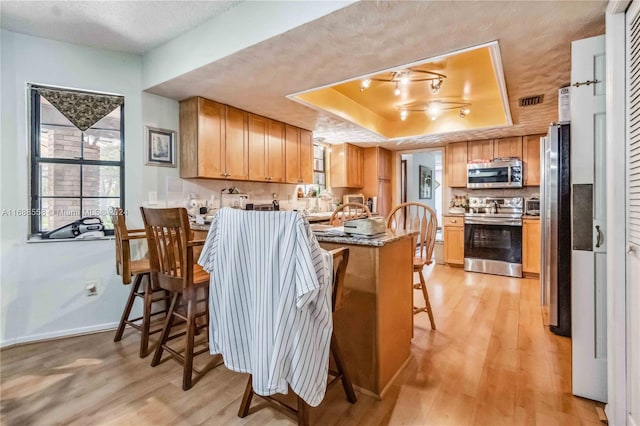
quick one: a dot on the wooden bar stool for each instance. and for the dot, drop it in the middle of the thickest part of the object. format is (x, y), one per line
(172, 265)
(349, 211)
(340, 261)
(138, 270)
(418, 217)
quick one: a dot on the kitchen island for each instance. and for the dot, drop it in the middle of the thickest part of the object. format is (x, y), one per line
(375, 323)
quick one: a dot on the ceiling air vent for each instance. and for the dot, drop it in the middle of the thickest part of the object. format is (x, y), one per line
(531, 100)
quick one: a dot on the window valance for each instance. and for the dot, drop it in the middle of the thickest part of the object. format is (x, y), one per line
(83, 109)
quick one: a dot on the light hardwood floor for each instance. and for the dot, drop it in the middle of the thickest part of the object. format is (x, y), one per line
(491, 361)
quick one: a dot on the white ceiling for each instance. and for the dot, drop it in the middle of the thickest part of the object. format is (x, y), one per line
(365, 37)
(124, 26)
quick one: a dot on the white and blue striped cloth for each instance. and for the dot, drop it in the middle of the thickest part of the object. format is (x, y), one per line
(270, 300)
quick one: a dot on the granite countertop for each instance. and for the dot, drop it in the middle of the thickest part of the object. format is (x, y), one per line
(453, 214)
(379, 241)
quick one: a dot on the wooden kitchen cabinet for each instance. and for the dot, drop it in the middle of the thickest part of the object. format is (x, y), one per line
(531, 159)
(377, 177)
(202, 137)
(456, 160)
(266, 149)
(384, 158)
(453, 240)
(298, 155)
(347, 166)
(480, 150)
(508, 147)
(213, 141)
(531, 246)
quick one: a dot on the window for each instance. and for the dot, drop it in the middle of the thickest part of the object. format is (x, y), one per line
(319, 166)
(75, 173)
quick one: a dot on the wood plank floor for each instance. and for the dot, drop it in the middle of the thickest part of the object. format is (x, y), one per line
(490, 362)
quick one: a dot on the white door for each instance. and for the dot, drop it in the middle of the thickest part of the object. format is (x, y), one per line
(633, 215)
(588, 263)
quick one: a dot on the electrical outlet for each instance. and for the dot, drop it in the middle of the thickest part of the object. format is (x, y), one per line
(91, 287)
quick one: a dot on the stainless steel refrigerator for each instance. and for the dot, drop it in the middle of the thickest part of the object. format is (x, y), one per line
(555, 226)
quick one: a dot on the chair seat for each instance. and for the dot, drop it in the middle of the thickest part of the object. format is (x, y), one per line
(140, 266)
(418, 263)
(200, 276)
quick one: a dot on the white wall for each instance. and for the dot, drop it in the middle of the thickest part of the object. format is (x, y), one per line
(413, 162)
(42, 284)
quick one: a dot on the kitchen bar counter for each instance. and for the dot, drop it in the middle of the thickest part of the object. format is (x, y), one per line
(378, 241)
(374, 326)
(375, 323)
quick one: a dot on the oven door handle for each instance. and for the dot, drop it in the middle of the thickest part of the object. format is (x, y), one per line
(496, 221)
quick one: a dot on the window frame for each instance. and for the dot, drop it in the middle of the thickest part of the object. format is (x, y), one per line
(324, 166)
(35, 200)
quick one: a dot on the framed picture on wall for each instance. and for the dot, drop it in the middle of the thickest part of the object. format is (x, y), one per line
(425, 182)
(160, 147)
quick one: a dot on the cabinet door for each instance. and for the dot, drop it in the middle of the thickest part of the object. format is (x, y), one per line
(384, 163)
(354, 156)
(480, 150)
(457, 165)
(236, 147)
(306, 156)
(531, 159)
(454, 245)
(292, 154)
(508, 147)
(210, 139)
(275, 151)
(258, 147)
(384, 197)
(531, 246)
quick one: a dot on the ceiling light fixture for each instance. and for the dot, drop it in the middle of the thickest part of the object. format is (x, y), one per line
(434, 109)
(404, 77)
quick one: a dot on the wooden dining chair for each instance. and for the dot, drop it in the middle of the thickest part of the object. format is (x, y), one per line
(349, 211)
(172, 266)
(340, 261)
(138, 270)
(422, 218)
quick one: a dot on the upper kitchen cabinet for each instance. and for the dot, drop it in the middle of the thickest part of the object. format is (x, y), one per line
(377, 177)
(236, 147)
(347, 166)
(384, 158)
(480, 150)
(531, 159)
(456, 161)
(266, 149)
(298, 155)
(213, 142)
(202, 137)
(507, 147)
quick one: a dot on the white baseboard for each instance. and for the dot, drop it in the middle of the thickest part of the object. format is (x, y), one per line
(57, 334)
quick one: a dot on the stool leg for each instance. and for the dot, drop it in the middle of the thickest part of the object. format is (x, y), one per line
(303, 413)
(187, 374)
(346, 380)
(127, 308)
(146, 318)
(165, 331)
(246, 399)
(426, 300)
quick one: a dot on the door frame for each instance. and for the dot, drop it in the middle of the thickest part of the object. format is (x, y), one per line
(616, 137)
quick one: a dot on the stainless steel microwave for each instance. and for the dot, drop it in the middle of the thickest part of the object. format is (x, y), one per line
(495, 174)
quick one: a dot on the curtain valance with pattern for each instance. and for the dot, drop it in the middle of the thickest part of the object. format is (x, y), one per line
(83, 109)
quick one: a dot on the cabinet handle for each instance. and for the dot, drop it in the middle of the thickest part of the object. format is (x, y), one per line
(631, 249)
(599, 236)
(454, 221)
(223, 174)
(266, 178)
